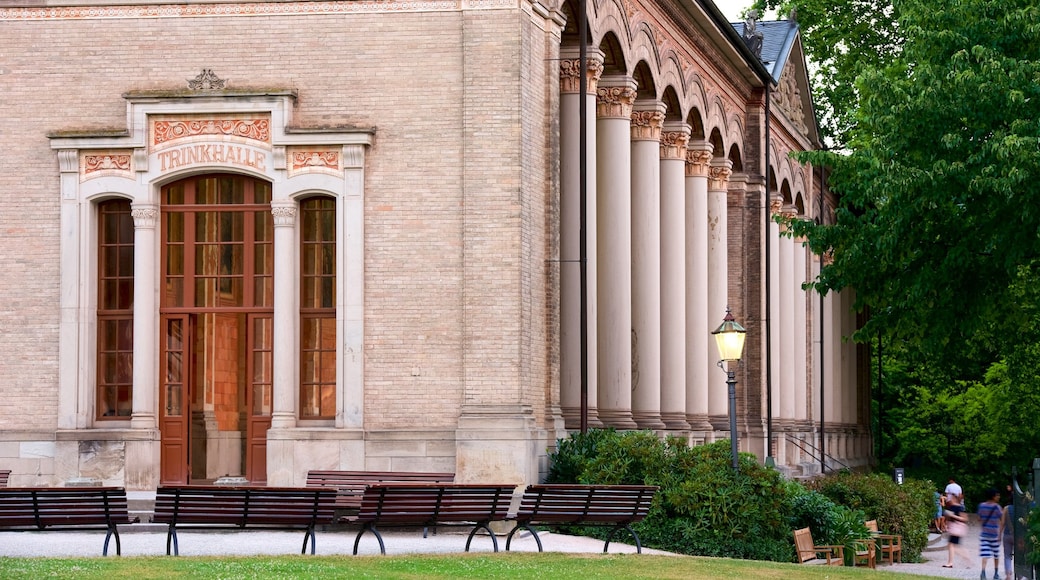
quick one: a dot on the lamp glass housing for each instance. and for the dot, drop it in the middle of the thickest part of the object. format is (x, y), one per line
(729, 338)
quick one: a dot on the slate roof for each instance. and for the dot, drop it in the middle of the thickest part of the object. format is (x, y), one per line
(778, 38)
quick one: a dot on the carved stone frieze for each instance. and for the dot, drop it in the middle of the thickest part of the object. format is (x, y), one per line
(105, 163)
(789, 99)
(310, 160)
(166, 131)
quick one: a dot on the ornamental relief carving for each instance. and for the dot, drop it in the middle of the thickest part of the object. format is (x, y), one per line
(105, 163)
(673, 144)
(615, 102)
(647, 125)
(570, 75)
(165, 132)
(310, 160)
(697, 162)
(789, 100)
(718, 177)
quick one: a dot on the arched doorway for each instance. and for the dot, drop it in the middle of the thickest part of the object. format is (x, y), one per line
(215, 331)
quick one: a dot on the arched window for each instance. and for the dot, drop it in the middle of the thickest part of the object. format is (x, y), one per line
(115, 310)
(318, 308)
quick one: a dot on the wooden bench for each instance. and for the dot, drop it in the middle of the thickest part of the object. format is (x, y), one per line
(431, 504)
(618, 506)
(351, 484)
(273, 508)
(890, 545)
(809, 553)
(5, 476)
(65, 508)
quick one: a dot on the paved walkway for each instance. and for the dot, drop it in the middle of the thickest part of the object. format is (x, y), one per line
(138, 542)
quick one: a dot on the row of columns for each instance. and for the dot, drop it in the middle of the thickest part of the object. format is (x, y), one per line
(655, 229)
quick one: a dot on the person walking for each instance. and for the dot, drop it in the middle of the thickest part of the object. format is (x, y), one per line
(1007, 539)
(990, 516)
(956, 527)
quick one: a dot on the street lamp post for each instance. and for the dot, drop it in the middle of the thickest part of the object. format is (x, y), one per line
(729, 338)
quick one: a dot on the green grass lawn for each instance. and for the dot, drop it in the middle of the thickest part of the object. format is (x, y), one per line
(511, 566)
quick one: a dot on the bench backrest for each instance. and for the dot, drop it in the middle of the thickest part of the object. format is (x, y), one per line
(351, 484)
(432, 503)
(871, 526)
(241, 506)
(43, 507)
(572, 503)
(5, 475)
(804, 545)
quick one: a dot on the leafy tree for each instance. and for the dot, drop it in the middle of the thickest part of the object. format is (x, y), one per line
(939, 209)
(841, 39)
(937, 228)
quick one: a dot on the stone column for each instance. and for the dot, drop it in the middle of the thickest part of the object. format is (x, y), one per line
(145, 376)
(788, 339)
(718, 282)
(647, 122)
(699, 345)
(284, 349)
(615, 97)
(570, 237)
(776, 203)
(673, 275)
(802, 347)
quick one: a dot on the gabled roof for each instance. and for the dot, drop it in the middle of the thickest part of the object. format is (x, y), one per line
(782, 53)
(778, 39)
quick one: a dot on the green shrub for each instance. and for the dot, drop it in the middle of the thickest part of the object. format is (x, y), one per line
(703, 508)
(905, 509)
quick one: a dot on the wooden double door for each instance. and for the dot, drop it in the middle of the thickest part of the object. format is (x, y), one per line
(216, 329)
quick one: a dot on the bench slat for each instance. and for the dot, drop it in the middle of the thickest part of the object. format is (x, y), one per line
(284, 508)
(619, 506)
(72, 508)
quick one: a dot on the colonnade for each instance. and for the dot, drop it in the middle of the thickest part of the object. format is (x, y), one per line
(656, 235)
(657, 272)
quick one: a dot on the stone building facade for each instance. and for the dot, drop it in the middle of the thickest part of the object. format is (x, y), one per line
(249, 239)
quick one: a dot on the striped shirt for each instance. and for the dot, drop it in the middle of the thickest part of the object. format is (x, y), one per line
(989, 517)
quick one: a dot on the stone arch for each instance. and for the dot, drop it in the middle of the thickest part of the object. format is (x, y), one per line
(646, 88)
(715, 138)
(613, 55)
(673, 111)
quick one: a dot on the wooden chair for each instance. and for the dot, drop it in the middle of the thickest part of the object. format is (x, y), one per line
(865, 553)
(890, 545)
(810, 553)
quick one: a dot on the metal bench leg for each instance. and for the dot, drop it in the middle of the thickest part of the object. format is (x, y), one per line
(171, 535)
(494, 540)
(112, 531)
(379, 537)
(639, 547)
(534, 532)
(309, 534)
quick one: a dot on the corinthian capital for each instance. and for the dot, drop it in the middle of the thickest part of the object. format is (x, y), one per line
(647, 125)
(615, 102)
(570, 75)
(673, 144)
(283, 214)
(718, 176)
(144, 215)
(698, 156)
